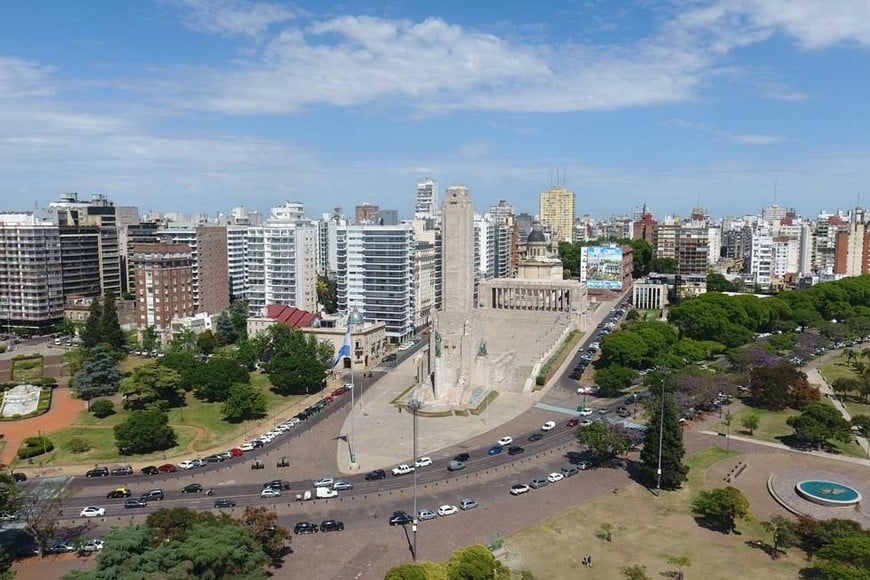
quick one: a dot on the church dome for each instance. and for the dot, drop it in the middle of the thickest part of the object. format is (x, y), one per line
(536, 237)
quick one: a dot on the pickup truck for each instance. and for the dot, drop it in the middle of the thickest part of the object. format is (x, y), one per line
(403, 469)
(319, 493)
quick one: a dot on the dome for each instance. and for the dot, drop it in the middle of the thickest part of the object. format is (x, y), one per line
(536, 236)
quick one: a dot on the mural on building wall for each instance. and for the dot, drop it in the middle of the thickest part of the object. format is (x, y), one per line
(601, 267)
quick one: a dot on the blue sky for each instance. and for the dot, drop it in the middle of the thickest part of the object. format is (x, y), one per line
(202, 105)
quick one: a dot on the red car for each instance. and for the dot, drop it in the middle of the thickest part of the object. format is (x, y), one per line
(236, 452)
(573, 422)
(338, 392)
(167, 468)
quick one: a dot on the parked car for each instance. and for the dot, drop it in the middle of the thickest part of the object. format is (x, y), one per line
(584, 465)
(426, 514)
(199, 462)
(305, 528)
(150, 470)
(331, 526)
(462, 457)
(535, 437)
(92, 546)
(548, 426)
(92, 512)
(423, 462)
(447, 510)
(185, 464)
(191, 488)
(216, 458)
(515, 450)
(245, 447)
(554, 477)
(135, 502)
(403, 469)
(495, 450)
(224, 503)
(538, 483)
(270, 492)
(153, 495)
(505, 441)
(376, 474)
(400, 518)
(467, 503)
(98, 472)
(324, 482)
(585, 412)
(456, 465)
(167, 468)
(118, 493)
(61, 548)
(519, 489)
(568, 470)
(342, 485)
(573, 422)
(123, 470)
(277, 484)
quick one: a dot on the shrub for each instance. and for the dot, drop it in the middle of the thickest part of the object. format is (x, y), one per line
(78, 445)
(34, 446)
(102, 408)
(49, 381)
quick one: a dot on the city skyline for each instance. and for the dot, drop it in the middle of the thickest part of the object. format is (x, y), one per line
(201, 105)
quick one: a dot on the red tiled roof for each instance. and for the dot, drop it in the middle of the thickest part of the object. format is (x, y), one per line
(290, 315)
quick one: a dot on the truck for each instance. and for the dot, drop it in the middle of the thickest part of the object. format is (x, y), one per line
(319, 493)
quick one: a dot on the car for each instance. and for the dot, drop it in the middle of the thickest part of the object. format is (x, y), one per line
(331, 526)
(305, 528)
(324, 482)
(400, 518)
(495, 450)
(278, 484)
(153, 495)
(167, 468)
(256, 444)
(467, 503)
(149, 470)
(123, 470)
(341, 485)
(584, 465)
(603, 411)
(118, 493)
(98, 472)
(216, 458)
(19, 477)
(403, 469)
(423, 462)
(191, 488)
(135, 502)
(505, 441)
(586, 422)
(234, 452)
(61, 548)
(535, 437)
(573, 422)
(224, 502)
(548, 426)
(515, 450)
(586, 411)
(246, 447)
(623, 412)
(270, 492)
(554, 477)
(456, 465)
(519, 489)
(92, 546)
(538, 483)
(375, 475)
(426, 514)
(185, 464)
(93, 512)
(462, 457)
(199, 462)
(568, 470)
(447, 510)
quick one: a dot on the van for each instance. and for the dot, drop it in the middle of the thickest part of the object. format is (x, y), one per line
(568, 470)
(153, 494)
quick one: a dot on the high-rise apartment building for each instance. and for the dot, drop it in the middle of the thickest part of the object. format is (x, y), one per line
(377, 275)
(424, 293)
(212, 273)
(426, 206)
(557, 214)
(365, 214)
(31, 272)
(281, 265)
(164, 284)
(851, 246)
(236, 262)
(644, 227)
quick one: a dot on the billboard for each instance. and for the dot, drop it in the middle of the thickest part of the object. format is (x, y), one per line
(601, 267)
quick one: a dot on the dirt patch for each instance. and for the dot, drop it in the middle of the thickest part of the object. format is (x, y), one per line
(64, 412)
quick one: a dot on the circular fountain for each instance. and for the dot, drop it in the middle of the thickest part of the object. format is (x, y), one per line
(828, 493)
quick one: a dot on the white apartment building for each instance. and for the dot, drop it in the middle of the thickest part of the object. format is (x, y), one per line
(761, 255)
(236, 236)
(424, 293)
(31, 274)
(377, 275)
(786, 256)
(426, 206)
(281, 265)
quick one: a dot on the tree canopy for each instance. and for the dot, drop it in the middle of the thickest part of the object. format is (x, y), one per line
(152, 383)
(721, 507)
(672, 450)
(244, 402)
(144, 431)
(819, 422)
(98, 375)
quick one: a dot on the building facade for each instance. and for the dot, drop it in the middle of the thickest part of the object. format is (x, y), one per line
(281, 266)
(557, 214)
(164, 284)
(426, 206)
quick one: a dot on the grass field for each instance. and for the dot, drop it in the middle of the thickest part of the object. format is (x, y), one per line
(26, 369)
(554, 548)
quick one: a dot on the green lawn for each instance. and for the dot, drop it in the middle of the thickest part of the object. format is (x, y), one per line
(856, 408)
(25, 370)
(836, 368)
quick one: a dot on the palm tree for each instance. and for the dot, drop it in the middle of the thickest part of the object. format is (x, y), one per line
(850, 355)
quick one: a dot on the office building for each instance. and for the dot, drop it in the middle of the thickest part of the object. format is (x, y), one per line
(557, 214)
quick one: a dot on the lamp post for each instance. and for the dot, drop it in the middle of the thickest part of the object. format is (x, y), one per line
(353, 318)
(414, 405)
(661, 435)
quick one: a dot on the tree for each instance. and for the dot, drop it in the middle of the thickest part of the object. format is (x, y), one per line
(110, 327)
(263, 527)
(625, 348)
(771, 386)
(846, 558)
(410, 572)
(102, 408)
(672, 451)
(239, 316)
(41, 518)
(641, 256)
(226, 330)
(149, 339)
(212, 380)
(783, 531)
(721, 507)
(91, 333)
(144, 432)
(475, 563)
(634, 572)
(612, 379)
(664, 266)
(74, 358)
(152, 383)
(244, 402)
(718, 283)
(816, 534)
(750, 422)
(862, 422)
(327, 293)
(8, 492)
(184, 341)
(605, 439)
(846, 385)
(818, 423)
(206, 341)
(98, 375)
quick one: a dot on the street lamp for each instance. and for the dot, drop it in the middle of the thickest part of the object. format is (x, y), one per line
(353, 318)
(414, 405)
(661, 435)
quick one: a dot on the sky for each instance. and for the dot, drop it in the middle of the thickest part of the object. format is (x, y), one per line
(204, 105)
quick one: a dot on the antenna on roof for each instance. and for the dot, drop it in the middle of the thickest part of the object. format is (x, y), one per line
(775, 184)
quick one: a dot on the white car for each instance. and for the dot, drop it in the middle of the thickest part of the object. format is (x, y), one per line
(548, 426)
(586, 422)
(506, 440)
(585, 412)
(185, 464)
(93, 512)
(324, 482)
(447, 510)
(554, 477)
(92, 546)
(403, 469)
(246, 447)
(293, 422)
(425, 514)
(423, 462)
(519, 488)
(270, 492)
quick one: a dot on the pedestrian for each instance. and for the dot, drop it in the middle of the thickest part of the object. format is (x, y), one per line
(589, 562)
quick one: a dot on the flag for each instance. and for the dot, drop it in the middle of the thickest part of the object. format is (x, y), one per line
(345, 348)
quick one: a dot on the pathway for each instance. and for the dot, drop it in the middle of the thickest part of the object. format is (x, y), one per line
(64, 412)
(815, 378)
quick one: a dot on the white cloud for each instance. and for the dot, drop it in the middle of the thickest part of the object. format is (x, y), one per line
(232, 17)
(23, 78)
(753, 138)
(815, 24)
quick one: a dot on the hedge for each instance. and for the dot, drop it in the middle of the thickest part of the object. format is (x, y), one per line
(34, 446)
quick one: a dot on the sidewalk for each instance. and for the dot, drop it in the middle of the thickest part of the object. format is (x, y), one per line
(815, 378)
(824, 454)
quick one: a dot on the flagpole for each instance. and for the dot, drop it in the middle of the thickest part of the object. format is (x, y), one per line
(353, 318)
